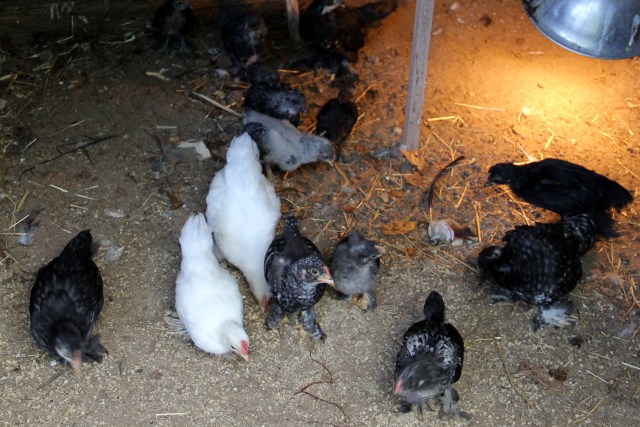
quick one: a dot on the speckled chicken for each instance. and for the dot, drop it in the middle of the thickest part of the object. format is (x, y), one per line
(66, 300)
(336, 119)
(565, 188)
(297, 276)
(174, 20)
(354, 266)
(208, 301)
(243, 211)
(540, 265)
(429, 361)
(281, 144)
(244, 36)
(268, 95)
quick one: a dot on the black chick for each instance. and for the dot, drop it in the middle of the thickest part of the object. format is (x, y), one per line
(564, 188)
(335, 30)
(540, 265)
(245, 38)
(268, 95)
(66, 300)
(336, 119)
(354, 265)
(174, 19)
(297, 276)
(429, 361)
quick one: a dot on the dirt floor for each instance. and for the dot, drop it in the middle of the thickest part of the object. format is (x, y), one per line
(88, 139)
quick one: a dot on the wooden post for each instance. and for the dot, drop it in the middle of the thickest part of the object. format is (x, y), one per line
(293, 18)
(417, 74)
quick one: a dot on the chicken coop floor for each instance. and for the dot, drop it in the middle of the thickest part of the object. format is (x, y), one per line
(89, 134)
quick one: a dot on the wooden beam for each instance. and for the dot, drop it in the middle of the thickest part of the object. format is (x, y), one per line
(293, 18)
(417, 74)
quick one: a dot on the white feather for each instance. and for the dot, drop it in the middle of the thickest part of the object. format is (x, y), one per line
(243, 211)
(208, 300)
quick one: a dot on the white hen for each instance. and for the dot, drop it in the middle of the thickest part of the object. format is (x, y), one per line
(243, 211)
(208, 300)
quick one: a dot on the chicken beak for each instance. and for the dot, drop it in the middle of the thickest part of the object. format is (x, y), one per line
(325, 277)
(263, 303)
(244, 351)
(77, 360)
(398, 387)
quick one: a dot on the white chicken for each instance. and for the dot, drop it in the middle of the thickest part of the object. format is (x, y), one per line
(243, 211)
(208, 300)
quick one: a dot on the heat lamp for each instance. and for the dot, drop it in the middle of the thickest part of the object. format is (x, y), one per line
(606, 29)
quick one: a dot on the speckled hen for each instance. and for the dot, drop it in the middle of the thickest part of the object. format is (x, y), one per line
(297, 276)
(429, 361)
(540, 265)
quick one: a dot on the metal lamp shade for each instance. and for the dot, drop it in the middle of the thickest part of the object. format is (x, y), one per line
(607, 29)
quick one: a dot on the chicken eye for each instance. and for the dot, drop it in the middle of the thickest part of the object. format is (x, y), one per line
(314, 271)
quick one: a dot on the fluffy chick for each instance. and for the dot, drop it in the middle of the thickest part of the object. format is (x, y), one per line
(565, 188)
(66, 300)
(429, 361)
(297, 276)
(174, 20)
(354, 265)
(268, 95)
(208, 300)
(243, 211)
(334, 29)
(336, 119)
(281, 144)
(244, 37)
(540, 265)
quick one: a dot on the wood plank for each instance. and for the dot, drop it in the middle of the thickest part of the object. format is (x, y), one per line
(417, 74)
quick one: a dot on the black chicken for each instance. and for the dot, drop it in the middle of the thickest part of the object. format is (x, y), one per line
(244, 36)
(336, 119)
(268, 95)
(174, 19)
(297, 276)
(66, 300)
(564, 188)
(429, 361)
(540, 265)
(335, 30)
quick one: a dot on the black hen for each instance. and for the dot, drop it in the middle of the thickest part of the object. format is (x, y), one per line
(297, 276)
(429, 361)
(245, 38)
(66, 300)
(540, 265)
(336, 30)
(336, 119)
(564, 188)
(174, 19)
(268, 95)
(354, 265)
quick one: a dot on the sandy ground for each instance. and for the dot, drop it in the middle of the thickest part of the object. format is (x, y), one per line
(497, 91)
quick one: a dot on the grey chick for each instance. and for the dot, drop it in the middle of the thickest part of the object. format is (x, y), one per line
(281, 144)
(354, 265)
(174, 19)
(297, 277)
